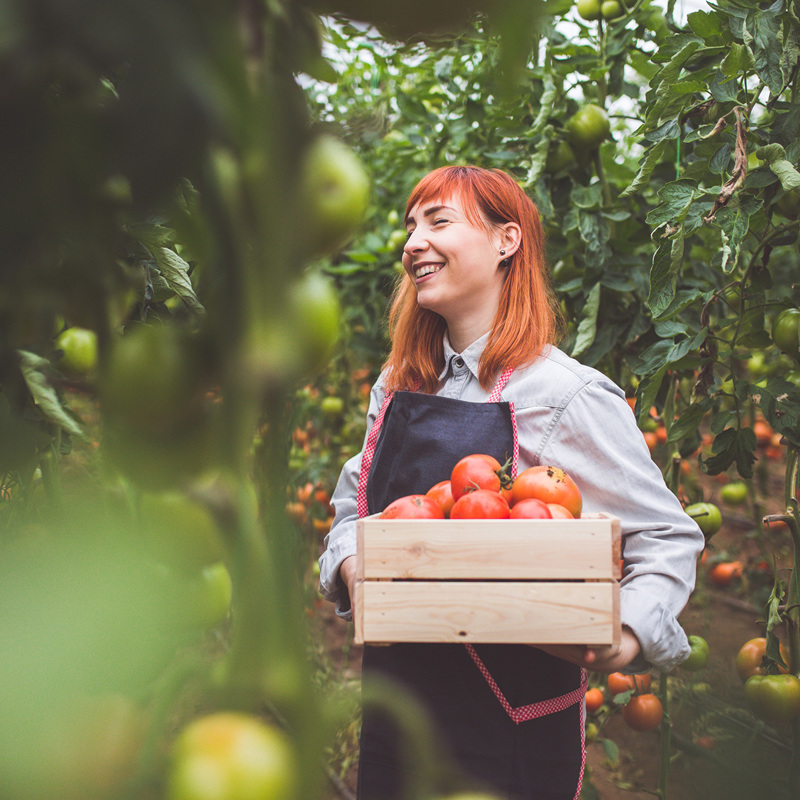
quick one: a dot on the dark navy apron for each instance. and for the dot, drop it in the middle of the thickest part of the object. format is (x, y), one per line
(510, 716)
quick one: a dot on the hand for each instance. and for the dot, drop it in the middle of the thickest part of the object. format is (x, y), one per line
(599, 659)
(347, 574)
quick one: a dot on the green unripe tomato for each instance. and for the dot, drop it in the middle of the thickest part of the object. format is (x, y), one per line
(734, 493)
(231, 756)
(559, 157)
(699, 655)
(335, 192)
(589, 9)
(707, 516)
(332, 406)
(79, 346)
(786, 332)
(789, 204)
(611, 9)
(588, 127)
(774, 698)
(793, 376)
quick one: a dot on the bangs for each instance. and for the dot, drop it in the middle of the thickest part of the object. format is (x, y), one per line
(442, 184)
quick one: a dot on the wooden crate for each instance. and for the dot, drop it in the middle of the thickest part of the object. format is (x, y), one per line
(499, 581)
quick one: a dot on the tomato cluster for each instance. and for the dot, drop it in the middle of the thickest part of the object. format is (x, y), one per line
(480, 487)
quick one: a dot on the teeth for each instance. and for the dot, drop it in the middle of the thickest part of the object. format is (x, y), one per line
(426, 270)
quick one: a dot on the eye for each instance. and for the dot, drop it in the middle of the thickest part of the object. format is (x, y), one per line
(439, 221)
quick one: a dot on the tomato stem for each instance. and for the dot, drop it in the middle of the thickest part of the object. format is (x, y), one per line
(666, 737)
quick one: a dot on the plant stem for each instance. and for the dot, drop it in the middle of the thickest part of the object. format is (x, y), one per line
(666, 737)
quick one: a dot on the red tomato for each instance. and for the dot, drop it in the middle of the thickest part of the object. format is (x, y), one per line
(413, 506)
(594, 699)
(480, 504)
(750, 658)
(619, 682)
(550, 485)
(559, 512)
(643, 712)
(725, 573)
(531, 508)
(478, 471)
(443, 495)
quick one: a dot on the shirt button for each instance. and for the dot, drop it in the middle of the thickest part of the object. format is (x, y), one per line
(459, 362)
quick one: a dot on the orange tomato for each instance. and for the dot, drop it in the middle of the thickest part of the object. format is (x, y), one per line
(443, 495)
(725, 573)
(594, 699)
(750, 658)
(619, 682)
(550, 485)
(643, 712)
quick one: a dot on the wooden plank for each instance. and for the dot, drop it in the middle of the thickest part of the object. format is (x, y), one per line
(585, 549)
(496, 612)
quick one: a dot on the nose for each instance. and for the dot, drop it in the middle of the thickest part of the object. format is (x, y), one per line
(415, 243)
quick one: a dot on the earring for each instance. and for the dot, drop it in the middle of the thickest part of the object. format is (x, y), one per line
(502, 252)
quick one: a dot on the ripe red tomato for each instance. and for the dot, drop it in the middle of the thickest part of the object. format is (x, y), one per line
(413, 506)
(477, 471)
(643, 712)
(725, 573)
(594, 699)
(750, 658)
(619, 682)
(531, 508)
(443, 495)
(480, 504)
(559, 512)
(550, 485)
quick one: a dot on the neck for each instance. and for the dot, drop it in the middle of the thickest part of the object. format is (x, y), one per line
(462, 334)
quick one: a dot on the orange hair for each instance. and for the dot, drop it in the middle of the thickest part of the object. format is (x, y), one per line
(528, 317)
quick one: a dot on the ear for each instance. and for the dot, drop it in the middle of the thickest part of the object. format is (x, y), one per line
(509, 236)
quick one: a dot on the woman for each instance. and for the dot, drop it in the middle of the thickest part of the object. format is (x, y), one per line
(473, 369)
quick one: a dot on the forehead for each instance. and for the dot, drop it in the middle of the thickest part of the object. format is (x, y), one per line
(456, 201)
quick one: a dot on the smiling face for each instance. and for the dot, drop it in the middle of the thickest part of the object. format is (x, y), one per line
(454, 264)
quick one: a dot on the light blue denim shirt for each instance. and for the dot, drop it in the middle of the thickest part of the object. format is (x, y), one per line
(574, 417)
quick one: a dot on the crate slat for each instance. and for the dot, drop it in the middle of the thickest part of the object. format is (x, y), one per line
(585, 549)
(488, 612)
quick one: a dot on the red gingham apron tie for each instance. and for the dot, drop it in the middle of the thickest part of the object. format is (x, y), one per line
(521, 713)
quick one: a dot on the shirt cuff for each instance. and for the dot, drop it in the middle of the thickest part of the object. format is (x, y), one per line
(664, 642)
(331, 586)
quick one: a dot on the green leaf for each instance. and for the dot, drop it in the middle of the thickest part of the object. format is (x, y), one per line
(35, 370)
(779, 401)
(587, 328)
(671, 71)
(175, 272)
(649, 162)
(663, 274)
(733, 445)
(689, 421)
(738, 61)
(735, 223)
(704, 24)
(764, 43)
(719, 162)
(676, 198)
(611, 750)
(647, 393)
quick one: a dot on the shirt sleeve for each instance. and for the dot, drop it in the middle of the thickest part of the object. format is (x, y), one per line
(597, 442)
(341, 540)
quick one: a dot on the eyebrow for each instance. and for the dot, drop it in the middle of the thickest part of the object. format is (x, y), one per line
(429, 212)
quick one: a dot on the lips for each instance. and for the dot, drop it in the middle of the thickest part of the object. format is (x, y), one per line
(426, 268)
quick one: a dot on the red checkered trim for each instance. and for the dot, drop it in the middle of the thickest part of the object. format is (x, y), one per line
(366, 458)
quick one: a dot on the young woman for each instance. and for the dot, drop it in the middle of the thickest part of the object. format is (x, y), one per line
(474, 369)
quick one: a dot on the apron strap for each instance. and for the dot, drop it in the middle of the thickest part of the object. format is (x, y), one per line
(534, 710)
(366, 458)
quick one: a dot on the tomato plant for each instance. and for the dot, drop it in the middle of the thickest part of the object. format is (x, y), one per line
(415, 506)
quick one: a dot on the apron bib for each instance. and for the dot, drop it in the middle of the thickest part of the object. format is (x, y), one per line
(510, 716)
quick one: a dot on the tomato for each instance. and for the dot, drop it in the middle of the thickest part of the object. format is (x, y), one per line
(707, 516)
(734, 493)
(789, 204)
(550, 485)
(699, 655)
(725, 573)
(531, 508)
(588, 127)
(179, 531)
(204, 600)
(560, 156)
(231, 756)
(559, 512)
(589, 9)
(413, 506)
(643, 712)
(443, 495)
(335, 192)
(79, 351)
(750, 660)
(480, 504)
(332, 406)
(619, 682)
(786, 332)
(763, 431)
(591, 732)
(594, 699)
(477, 471)
(774, 698)
(612, 9)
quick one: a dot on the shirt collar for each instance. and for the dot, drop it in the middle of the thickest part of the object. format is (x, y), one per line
(471, 355)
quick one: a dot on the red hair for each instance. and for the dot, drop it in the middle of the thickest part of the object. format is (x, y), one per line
(528, 317)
